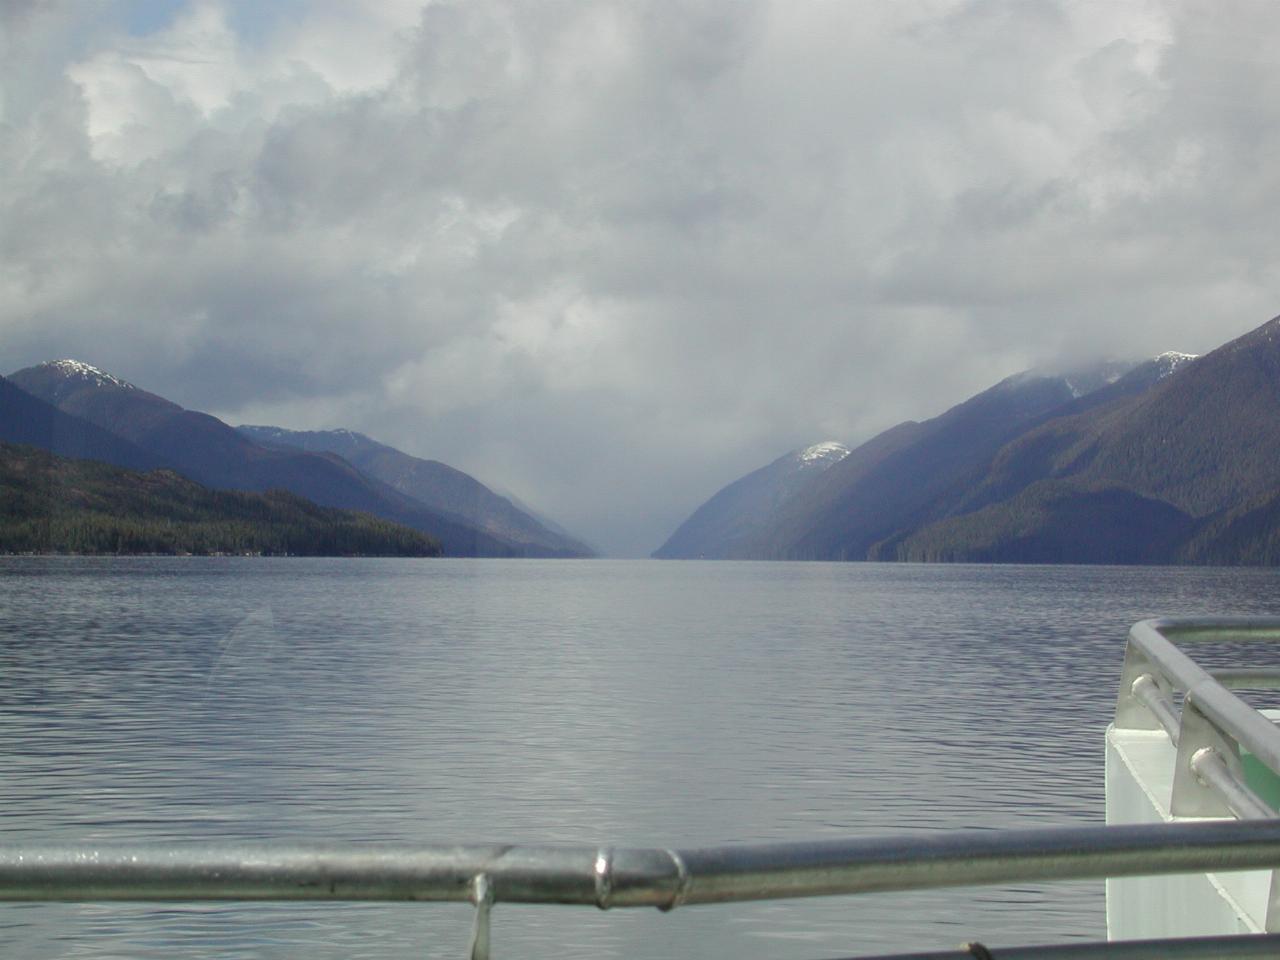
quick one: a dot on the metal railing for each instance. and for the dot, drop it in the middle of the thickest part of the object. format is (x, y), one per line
(1213, 723)
(627, 877)
(1208, 730)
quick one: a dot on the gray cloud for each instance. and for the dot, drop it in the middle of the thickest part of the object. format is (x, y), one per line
(609, 256)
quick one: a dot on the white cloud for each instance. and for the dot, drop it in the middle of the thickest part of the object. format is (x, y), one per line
(611, 255)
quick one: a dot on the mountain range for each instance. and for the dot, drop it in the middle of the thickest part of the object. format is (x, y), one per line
(73, 409)
(430, 482)
(1174, 460)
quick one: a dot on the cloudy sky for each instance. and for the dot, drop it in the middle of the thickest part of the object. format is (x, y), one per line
(609, 256)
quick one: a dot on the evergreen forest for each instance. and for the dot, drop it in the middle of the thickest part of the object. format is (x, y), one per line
(49, 504)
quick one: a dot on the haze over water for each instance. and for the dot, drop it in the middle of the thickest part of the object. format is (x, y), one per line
(605, 702)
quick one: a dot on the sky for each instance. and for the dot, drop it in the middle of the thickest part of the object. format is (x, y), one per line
(610, 256)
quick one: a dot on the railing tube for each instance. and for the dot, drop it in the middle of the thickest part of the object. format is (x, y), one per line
(636, 877)
(963, 859)
(1236, 947)
(266, 871)
(1147, 692)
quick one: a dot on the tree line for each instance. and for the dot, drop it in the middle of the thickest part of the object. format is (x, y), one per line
(49, 504)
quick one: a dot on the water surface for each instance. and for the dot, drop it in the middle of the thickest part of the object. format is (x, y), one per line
(630, 703)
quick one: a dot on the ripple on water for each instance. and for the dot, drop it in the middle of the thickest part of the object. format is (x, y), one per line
(637, 703)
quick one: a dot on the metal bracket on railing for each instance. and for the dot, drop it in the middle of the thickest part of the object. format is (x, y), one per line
(1214, 770)
(1205, 754)
(482, 897)
(1131, 711)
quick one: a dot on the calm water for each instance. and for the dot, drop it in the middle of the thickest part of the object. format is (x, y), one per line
(633, 703)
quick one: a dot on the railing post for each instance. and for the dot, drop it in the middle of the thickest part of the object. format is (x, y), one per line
(482, 897)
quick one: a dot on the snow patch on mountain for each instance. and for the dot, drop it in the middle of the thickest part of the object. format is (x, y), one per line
(262, 432)
(829, 451)
(1171, 360)
(84, 371)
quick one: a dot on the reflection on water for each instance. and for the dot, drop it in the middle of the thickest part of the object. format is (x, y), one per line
(634, 703)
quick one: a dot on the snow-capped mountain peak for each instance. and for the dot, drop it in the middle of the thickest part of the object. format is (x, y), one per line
(1171, 360)
(829, 451)
(84, 371)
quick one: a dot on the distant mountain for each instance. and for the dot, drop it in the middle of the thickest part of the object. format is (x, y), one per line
(1195, 458)
(545, 521)
(742, 508)
(432, 483)
(910, 474)
(208, 451)
(50, 504)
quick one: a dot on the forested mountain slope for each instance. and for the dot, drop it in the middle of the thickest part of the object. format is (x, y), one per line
(50, 504)
(430, 482)
(915, 470)
(205, 449)
(741, 509)
(1187, 471)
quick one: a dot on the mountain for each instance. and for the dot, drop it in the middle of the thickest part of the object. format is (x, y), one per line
(911, 473)
(545, 521)
(1248, 534)
(25, 419)
(206, 450)
(1195, 456)
(744, 506)
(1016, 465)
(432, 483)
(50, 504)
